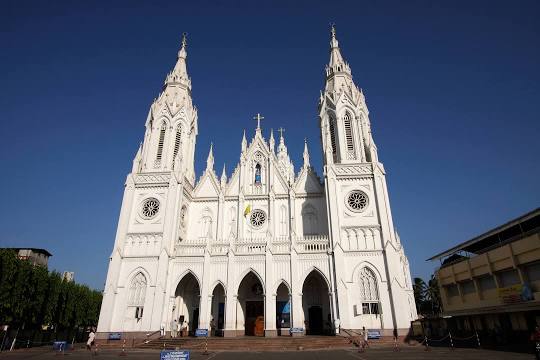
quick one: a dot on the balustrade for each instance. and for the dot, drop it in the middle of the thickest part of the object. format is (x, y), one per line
(280, 245)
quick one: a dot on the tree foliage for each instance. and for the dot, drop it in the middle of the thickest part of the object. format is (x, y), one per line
(427, 296)
(32, 296)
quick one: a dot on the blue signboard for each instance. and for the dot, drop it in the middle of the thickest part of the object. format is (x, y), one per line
(296, 330)
(174, 355)
(201, 332)
(373, 334)
(115, 336)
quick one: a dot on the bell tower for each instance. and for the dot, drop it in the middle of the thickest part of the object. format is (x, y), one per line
(171, 126)
(361, 229)
(343, 114)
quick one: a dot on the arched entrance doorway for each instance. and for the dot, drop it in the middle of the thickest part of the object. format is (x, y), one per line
(316, 305)
(217, 318)
(187, 300)
(251, 305)
(283, 309)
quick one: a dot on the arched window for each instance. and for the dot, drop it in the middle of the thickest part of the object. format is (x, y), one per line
(232, 222)
(177, 142)
(206, 224)
(161, 141)
(309, 220)
(332, 135)
(258, 174)
(137, 294)
(369, 294)
(349, 135)
(283, 221)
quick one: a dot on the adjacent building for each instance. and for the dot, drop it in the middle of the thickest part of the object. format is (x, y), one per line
(264, 249)
(491, 283)
(35, 256)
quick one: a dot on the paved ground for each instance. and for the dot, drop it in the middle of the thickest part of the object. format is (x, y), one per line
(407, 353)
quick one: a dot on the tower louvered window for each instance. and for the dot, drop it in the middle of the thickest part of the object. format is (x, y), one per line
(333, 135)
(349, 136)
(161, 141)
(177, 141)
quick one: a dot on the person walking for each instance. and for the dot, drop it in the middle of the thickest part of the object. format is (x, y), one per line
(174, 328)
(365, 333)
(91, 339)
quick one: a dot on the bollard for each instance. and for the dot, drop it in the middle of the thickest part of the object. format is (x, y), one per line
(477, 339)
(123, 353)
(426, 343)
(451, 342)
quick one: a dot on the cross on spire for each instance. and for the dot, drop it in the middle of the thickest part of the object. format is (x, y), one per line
(258, 117)
(281, 130)
(184, 39)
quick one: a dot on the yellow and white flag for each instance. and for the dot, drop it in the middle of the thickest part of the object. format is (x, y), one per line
(247, 211)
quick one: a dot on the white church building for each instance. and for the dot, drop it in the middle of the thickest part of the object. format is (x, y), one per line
(269, 249)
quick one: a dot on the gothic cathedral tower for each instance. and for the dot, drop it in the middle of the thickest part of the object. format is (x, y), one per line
(153, 208)
(359, 217)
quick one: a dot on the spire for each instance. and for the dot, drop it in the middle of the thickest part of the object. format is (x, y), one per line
(281, 146)
(337, 63)
(210, 160)
(271, 141)
(244, 141)
(179, 75)
(223, 177)
(306, 155)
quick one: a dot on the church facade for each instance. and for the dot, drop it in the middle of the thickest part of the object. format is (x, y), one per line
(269, 250)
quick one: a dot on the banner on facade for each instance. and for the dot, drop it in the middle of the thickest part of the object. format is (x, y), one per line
(515, 294)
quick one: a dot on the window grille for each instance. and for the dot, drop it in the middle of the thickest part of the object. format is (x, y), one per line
(333, 135)
(348, 132)
(177, 140)
(161, 141)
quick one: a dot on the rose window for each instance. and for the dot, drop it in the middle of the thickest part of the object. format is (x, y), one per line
(357, 200)
(150, 208)
(257, 219)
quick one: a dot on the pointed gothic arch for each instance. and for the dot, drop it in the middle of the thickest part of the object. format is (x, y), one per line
(206, 223)
(187, 298)
(217, 309)
(316, 303)
(283, 305)
(309, 220)
(250, 304)
(349, 135)
(161, 141)
(177, 143)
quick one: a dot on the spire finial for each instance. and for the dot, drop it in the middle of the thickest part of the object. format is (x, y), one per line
(184, 39)
(258, 117)
(333, 29)
(210, 160)
(306, 154)
(281, 131)
(223, 176)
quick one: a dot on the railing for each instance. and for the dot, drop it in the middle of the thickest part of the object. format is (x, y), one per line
(312, 244)
(191, 247)
(250, 246)
(280, 245)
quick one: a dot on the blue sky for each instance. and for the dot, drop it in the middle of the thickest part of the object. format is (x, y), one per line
(453, 90)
